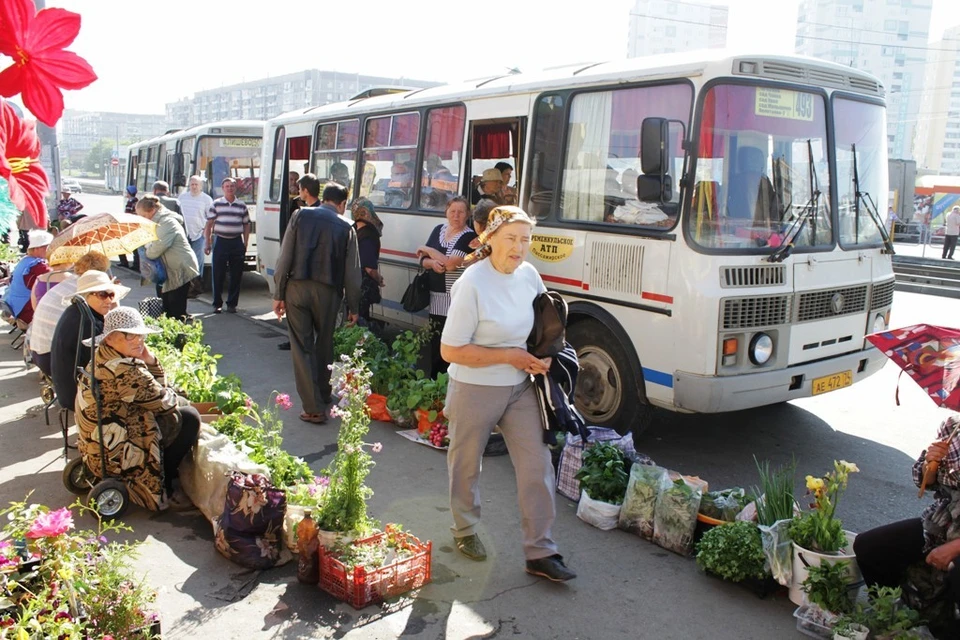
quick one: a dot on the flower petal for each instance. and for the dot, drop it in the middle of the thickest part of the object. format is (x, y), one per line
(11, 81)
(42, 97)
(65, 68)
(16, 17)
(52, 29)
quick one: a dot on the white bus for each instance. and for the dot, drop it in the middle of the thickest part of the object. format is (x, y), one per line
(213, 151)
(700, 215)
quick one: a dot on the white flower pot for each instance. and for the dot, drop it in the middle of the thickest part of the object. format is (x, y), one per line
(803, 559)
(857, 632)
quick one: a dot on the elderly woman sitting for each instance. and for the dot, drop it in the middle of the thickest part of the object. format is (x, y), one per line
(147, 428)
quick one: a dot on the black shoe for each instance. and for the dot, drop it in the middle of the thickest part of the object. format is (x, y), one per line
(284, 346)
(218, 309)
(471, 547)
(496, 446)
(231, 309)
(551, 568)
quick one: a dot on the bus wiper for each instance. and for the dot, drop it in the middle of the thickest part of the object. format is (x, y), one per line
(870, 206)
(796, 228)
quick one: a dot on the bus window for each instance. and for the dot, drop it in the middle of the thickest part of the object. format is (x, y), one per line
(162, 164)
(335, 156)
(150, 175)
(141, 182)
(389, 160)
(441, 164)
(237, 158)
(602, 163)
(134, 171)
(545, 154)
(277, 183)
(495, 146)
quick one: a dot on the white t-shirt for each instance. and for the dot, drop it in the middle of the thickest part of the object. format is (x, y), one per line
(953, 223)
(194, 211)
(491, 309)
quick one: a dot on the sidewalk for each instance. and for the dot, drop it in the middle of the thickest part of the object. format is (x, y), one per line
(626, 587)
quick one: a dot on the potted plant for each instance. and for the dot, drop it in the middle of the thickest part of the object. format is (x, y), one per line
(732, 551)
(603, 480)
(775, 506)
(817, 534)
(846, 627)
(886, 615)
(826, 586)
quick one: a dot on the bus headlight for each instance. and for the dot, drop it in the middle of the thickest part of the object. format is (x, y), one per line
(879, 323)
(761, 349)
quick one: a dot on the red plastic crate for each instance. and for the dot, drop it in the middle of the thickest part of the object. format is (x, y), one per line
(363, 586)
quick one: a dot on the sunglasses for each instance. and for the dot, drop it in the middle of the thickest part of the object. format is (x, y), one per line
(105, 295)
(130, 337)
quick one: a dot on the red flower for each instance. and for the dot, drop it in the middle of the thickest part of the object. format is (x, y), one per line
(20, 164)
(40, 67)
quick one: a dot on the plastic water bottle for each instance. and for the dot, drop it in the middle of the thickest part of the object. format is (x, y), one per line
(308, 545)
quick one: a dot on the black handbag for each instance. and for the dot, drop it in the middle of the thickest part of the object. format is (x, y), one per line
(549, 325)
(417, 296)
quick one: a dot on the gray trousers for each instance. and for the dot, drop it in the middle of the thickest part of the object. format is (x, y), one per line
(311, 318)
(473, 411)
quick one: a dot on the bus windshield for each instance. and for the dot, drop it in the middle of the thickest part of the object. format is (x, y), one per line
(220, 157)
(860, 126)
(762, 174)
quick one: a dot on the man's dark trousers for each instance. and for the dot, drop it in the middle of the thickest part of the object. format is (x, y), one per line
(312, 310)
(228, 255)
(949, 244)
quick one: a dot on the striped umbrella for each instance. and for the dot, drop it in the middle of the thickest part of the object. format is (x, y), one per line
(112, 234)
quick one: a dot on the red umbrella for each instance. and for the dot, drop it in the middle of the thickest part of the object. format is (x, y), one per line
(928, 354)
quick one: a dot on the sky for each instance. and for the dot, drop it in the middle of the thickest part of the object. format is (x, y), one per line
(151, 52)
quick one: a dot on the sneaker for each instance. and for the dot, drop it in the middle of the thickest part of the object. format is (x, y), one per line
(551, 568)
(471, 547)
(284, 346)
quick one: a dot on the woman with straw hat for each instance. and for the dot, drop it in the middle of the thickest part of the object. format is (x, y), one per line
(147, 428)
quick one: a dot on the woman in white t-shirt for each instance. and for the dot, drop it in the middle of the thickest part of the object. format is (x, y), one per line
(484, 340)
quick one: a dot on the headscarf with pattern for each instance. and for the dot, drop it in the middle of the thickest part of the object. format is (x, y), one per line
(498, 217)
(362, 210)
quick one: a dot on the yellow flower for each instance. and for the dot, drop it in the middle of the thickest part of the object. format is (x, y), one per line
(814, 485)
(849, 467)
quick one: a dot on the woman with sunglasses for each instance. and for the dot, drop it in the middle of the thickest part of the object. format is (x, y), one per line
(66, 354)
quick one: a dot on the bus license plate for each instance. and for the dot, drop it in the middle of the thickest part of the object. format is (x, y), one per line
(833, 382)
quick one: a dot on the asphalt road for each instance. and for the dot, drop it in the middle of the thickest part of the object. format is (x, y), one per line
(626, 587)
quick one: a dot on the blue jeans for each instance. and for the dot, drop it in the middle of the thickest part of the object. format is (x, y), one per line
(197, 246)
(228, 257)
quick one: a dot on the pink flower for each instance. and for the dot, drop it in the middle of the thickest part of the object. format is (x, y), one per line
(248, 402)
(377, 447)
(283, 401)
(51, 524)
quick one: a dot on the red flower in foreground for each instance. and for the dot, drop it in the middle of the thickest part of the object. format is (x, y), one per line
(20, 164)
(40, 67)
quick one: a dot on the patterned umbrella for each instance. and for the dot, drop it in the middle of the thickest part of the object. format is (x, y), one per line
(928, 354)
(112, 234)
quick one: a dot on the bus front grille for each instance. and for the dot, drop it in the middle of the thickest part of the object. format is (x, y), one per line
(759, 311)
(882, 295)
(753, 276)
(816, 305)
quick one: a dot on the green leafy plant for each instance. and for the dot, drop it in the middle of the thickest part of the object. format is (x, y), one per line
(604, 473)
(732, 551)
(819, 528)
(775, 500)
(826, 586)
(724, 504)
(886, 614)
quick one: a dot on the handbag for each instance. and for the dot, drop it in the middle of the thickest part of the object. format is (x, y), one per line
(549, 325)
(152, 307)
(417, 296)
(152, 269)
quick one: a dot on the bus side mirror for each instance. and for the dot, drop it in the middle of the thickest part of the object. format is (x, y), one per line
(655, 185)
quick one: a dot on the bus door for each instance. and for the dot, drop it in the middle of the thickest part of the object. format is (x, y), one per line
(297, 163)
(495, 144)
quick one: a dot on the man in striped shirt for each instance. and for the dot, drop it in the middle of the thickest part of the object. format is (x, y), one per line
(226, 234)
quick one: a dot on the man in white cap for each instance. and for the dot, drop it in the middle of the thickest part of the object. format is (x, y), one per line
(491, 180)
(25, 274)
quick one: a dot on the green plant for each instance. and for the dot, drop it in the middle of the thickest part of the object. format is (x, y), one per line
(345, 506)
(826, 586)
(732, 551)
(886, 614)
(775, 499)
(604, 473)
(819, 528)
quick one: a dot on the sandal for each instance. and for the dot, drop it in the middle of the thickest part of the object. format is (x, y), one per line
(315, 418)
(471, 547)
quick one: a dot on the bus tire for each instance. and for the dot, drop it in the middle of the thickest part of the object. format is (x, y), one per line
(609, 391)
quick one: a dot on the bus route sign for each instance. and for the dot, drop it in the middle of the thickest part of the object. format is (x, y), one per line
(781, 103)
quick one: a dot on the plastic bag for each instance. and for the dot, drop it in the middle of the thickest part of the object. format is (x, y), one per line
(377, 406)
(253, 551)
(602, 515)
(571, 458)
(636, 514)
(253, 505)
(778, 548)
(723, 505)
(675, 516)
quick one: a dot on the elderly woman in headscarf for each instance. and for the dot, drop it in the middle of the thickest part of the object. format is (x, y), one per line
(484, 340)
(369, 228)
(147, 428)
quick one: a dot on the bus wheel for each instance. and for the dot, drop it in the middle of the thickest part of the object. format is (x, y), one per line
(607, 390)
